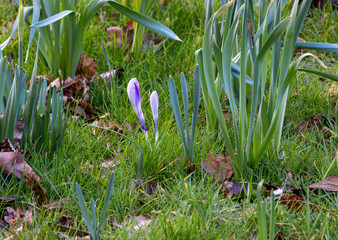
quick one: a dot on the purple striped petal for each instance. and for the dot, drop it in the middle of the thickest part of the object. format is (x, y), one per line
(154, 108)
(134, 95)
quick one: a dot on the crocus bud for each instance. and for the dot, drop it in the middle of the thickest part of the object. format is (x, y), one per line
(133, 90)
(154, 110)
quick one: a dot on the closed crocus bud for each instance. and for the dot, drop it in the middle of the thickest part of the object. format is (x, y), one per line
(133, 90)
(154, 110)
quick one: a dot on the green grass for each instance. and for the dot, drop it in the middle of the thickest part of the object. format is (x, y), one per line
(185, 205)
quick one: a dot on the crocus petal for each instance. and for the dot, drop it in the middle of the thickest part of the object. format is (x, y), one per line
(154, 107)
(134, 95)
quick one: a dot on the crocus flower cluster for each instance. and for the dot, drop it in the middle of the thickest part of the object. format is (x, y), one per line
(134, 95)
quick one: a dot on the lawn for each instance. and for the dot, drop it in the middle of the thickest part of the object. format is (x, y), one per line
(172, 195)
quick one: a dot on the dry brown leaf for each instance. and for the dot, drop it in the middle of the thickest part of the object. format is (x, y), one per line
(310, 123)
(125, 37)
(221, 167)
(55, 205)
(8, 198)
(140, 222)
(145, 186)
(82, 238)
(333, 90)
(109, 163)
(86, 66)
(328, 184)
(18, 131)
(18, 217)
(13, 163)
(100, 123)
(232, 189)
(294, 202)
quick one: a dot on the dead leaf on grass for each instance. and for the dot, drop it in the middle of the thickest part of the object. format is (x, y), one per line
(87, 66)
(328, 184)
(55, 205)
(310, 123)
(18, 217)
(13, 163)
(110, 124)
(8, 198)
(145, 186)
(117, 72)
(232, 189)
(76, 92)
(125, 37)
(18, 131)
(294, 202)
(109, 163)
(140, 222)
(221, 167)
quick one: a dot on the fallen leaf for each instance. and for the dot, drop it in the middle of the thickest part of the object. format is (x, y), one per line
(103, 15)
(6, 146)
(8, 198)
(280, 236)
(310, 123)
(76, 92)
(109, 163)
(18, 217)
(115, 224)
(82, 238)
(145, 186)
(140, 222)
(86, 66)
(333, 90)
(232, 189)
(18, 131)
(294, 202)
(55, 205)
(221, 167)
(328, 184)
(109, 75)
(13, 163)
(100, 123)
(125, 36)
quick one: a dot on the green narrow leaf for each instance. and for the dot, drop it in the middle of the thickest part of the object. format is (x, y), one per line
(51, 19)
(325, 47)
(322, 74)
(84, 210)
(207, 60)
(35, 19)
(272, 217)
(186, 107)
(177, 111)
(196, 102)
(144, 20)
(106, 202)
(139, 167)
(93, 215)
(27, 11)
(262, 229)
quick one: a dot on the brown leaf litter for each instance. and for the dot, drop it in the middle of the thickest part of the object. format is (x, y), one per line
(13, 163)
(124, 37)
(328, 184)
(220, 167)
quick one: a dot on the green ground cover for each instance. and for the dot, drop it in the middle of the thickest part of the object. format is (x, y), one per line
(186, 204)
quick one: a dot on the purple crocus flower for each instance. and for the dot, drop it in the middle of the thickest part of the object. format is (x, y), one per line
(133, 90)
(154, 110)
